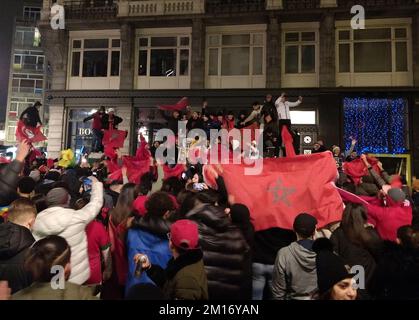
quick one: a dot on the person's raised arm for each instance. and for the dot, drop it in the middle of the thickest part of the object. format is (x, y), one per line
(89, 118)
(378, 180)
(296, 103)
(92, 209)
(351, 149)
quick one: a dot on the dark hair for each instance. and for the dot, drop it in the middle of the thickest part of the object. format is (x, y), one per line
(353, 225)
(208, 196)
(186, 199)
(44, 254)
(40, 202)
(26, 185)
(407, 236)
(158, 204)
(146, 184)
(173, 185)
(123, 207)
(255, 103)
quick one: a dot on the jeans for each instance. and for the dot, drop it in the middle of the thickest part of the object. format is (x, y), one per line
(262, 276)
(97, 140)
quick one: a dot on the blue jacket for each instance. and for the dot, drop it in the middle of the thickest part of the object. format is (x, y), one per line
(155, 245)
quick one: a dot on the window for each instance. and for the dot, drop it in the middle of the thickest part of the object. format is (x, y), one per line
(31, 13)
(300, 52)
(95, 58)
(164, 56)
(303, 117)
(25, 83)
(373, 50)
(240, 54)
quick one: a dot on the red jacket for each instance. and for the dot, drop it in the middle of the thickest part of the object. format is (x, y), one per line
(387, 219)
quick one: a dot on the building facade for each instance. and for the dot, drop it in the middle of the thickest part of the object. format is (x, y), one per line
(135, 55)
(28, 70)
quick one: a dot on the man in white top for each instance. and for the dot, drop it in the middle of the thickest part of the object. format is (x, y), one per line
(283, 108)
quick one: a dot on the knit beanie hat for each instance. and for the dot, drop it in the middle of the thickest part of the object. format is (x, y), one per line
(58, 197)
(397, 195)
(330, 267)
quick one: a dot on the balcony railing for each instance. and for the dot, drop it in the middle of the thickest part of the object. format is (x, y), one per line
(235, 6)
(301, 4)
(160, 7)
(90, 9)
(29, 67)
(29, 90)
(375, 3)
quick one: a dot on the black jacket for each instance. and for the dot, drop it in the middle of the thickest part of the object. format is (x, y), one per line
(396, 276)
(15, 241)
(226, 253)
(353, 254)
(268, 242)
(270, 108)
(30, 116)
(9, 178)
(105, 121)
(194, 124)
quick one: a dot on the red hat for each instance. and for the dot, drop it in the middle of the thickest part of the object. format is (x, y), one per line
(139, 205)
(43, 169)
(184, 234)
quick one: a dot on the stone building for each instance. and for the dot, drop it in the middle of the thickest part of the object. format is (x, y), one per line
(135, 55)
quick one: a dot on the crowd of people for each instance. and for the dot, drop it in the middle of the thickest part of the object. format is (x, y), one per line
(74, 233)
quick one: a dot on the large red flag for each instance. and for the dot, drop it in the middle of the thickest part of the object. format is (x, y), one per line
(285, 188)
(356, 169)
(114, 138)
(31, 134)
(288, 142)
(179, 106)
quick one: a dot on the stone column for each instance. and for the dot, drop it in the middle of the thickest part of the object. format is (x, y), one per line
(128, 71)
(327, 51)
(198, 54)
(273, 54)
(55, 129)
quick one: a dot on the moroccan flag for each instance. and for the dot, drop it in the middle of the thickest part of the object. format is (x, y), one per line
(356, 169)
(288, 142)
(30, 134)
(114, 138)
(176, 171)
(182, 104)
(285, 188)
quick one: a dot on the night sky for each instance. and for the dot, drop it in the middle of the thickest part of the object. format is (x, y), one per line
(8, 11)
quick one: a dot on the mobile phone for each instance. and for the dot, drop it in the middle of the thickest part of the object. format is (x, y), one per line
(87, 184)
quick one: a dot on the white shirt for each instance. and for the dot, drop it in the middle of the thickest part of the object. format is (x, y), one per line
(283, 108)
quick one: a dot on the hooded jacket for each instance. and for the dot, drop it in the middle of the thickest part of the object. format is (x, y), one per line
(71, 225)
(148, 236)
(226, 253)
(295, 275)
(15, 241)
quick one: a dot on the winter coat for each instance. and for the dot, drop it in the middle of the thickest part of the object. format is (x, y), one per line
(15, 241)
(268, 242)
(396, 276)
(148, 236)
(106, 121)
(9, 178)
(295, 274)
(194, 124)
(353, 254)
(71, 225)
(226, 253)
(184, 278)
(44, 291)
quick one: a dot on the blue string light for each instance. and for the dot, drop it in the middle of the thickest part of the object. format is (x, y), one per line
(379, 125)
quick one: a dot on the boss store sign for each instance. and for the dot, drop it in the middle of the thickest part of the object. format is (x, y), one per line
(84, 132)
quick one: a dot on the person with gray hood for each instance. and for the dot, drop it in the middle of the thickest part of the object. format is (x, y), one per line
(295, 275)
